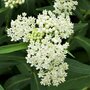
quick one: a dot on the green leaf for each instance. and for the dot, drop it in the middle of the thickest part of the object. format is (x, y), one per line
(35, 85)
(29, 4)
(12, 48)
(83, 42)
(80, 26)
(17, 82)
(84, 4)
(23, 68)
(7, 64)
(46, 7)
(4, 70)
(3, 39)
(71, 54)
(10, 60)
(6, 57)
(3, 10)
(86, 88)
(77, 67)
(78, 13)
(81, 29)
(1, 88)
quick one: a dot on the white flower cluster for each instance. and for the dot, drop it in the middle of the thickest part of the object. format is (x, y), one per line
(13, 3)
(64, 6)
(48, 58)
(21, 27)
(46, 50)
(29, 28)
(48, 22)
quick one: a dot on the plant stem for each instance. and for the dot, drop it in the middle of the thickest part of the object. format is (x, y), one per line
(35, 77)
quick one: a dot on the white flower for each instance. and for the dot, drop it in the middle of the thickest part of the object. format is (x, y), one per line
(48, 58)
(55, 76)
(13, 3)
(64, 6)
(21, 27)
(48, 22)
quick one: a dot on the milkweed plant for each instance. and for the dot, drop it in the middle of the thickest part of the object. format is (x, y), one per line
(46, 44)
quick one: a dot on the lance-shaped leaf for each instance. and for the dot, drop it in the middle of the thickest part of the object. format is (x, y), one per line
(47, 8)
(17, 82)
(1, 88)
(12, 48)
(83, 42)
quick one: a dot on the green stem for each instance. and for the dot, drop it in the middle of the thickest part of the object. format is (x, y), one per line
(35, 77)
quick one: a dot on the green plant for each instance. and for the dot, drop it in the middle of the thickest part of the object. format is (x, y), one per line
(16, 74)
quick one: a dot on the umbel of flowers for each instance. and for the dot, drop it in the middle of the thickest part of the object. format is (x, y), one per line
(13, 3)
(64, 6)
(46, 52)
